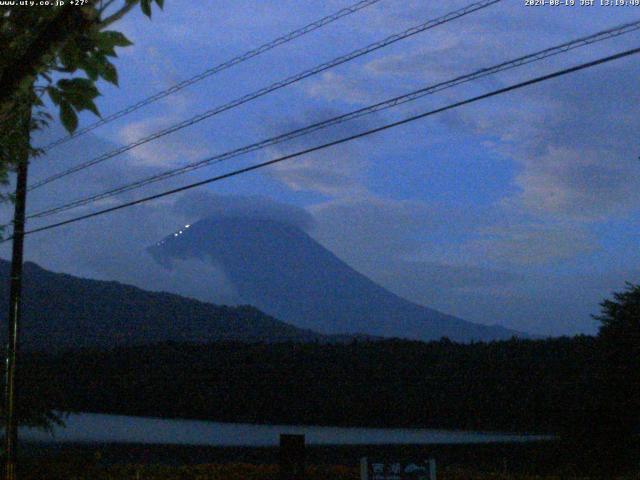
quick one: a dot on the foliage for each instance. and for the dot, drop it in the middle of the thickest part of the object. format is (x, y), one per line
(44, 51)
(619, 378)
(518, 385)
(72, 468)
(242, 471)
(582, 387)
(42, 42)
(620, 317)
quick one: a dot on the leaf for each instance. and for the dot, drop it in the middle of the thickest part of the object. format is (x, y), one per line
(113, 39)
(99, 60)
(54, 95)
(68, 117)
(110, 74)
(90, 105)
(146, 7)
(78, 87)
(160, 3)
(103, 46)
(90, 67)
(80, 99)
(78, 83)
(70, 55)
(110, 52)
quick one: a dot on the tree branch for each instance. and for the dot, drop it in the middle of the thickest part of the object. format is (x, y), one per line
(105, 6)
(119, 14)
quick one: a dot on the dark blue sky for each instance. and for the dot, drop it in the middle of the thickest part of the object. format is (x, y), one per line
(521, 210)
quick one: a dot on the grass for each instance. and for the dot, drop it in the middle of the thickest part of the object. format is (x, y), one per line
(244, 471)
(533, 461)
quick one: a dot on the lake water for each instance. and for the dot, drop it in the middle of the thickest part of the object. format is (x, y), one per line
(98, 428)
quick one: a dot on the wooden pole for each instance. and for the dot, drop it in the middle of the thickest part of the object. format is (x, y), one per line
(15, 306)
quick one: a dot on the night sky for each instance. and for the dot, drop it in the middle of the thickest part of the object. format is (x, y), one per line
(521, 210)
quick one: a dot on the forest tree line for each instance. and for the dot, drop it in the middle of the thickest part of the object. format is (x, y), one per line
(577, 386)
(519, 385)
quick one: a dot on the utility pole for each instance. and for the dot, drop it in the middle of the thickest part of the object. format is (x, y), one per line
(15, 299)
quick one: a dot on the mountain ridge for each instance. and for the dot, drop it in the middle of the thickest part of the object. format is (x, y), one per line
(283, 271)
(61, 311)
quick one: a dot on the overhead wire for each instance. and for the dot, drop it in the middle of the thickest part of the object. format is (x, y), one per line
(471, 8)
(216, 69)
(350, 138)
(380, 106)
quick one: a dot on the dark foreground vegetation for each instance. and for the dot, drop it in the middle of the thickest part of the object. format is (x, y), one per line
(581, 386)
(586, 390)
(541, 461)
(520, 385)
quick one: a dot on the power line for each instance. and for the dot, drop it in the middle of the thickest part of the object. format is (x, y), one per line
(340, 141)
(217, 69)
(275, 86)
(393, 102)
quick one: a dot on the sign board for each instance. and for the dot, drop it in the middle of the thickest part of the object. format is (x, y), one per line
(371, 469)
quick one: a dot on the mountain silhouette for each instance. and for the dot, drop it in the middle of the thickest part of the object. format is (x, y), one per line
(284, 272)
(61, 311)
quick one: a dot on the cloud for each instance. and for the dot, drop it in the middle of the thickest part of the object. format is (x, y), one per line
(484, 264)
(571, 139)
(112, 246)
(336, 171)
(531, 244)
(198, 205)
(514, 257)
(105, 175)
(373, 232)
(332, 86)
(167, 151)
(430, 279)
(493, 237)
(572, 164)
(445, 56)
(357, 227)
(417, 250)
(328, 173)
(474, 293)
(579, 183)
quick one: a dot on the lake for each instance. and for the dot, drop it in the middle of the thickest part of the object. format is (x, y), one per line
(99, 428)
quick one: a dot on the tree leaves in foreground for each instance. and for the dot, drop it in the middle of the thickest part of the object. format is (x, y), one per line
(59, 53)
(619, 337)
